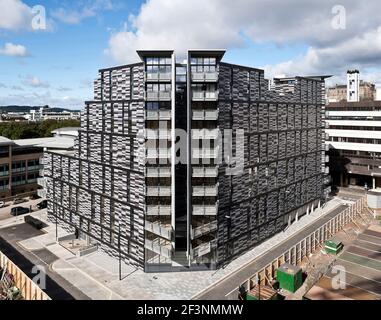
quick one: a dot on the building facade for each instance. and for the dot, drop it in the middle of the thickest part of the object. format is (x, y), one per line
(152, 179)
(354, 91)
(19, 168)
(355, 142)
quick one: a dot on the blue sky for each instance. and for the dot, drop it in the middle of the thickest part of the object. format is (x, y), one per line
(57, 66)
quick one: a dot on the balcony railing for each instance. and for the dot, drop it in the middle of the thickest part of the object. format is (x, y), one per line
(205, 115)
(203, 249)
(162, 191)
(158, 210)
(204, 95)
(158, 134)
(158, 115)
(4, 173)
(205, 172)
(204, 76)
(204, 229)
(34, 168)
(158, 96)
(154, 77)
(205, 210)
(164, 172)
(164, 231)
(205, 153)
(205, 191)
(160, 247)
(206, 134)
(158, 153)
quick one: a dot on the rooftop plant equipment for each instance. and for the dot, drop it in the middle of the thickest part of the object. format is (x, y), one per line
(333, 246)
(289, 277)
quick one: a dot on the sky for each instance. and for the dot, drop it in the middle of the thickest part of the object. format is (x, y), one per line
(50, 51)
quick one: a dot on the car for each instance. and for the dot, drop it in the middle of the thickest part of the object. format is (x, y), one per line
(42, 205)
(2, 204)
(17, 211)
(18, 200)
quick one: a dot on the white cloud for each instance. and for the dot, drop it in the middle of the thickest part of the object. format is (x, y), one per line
(2, 85)
(75, 16)
(182, 25)
(64, 89)
(34, 82)
(15, 15)
(13, 50)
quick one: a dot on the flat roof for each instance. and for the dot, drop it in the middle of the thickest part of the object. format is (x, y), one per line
(50, 143)
(5, 141)
(218, 53)
(157, 53)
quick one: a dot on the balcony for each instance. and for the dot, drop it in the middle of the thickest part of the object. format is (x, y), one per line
(209, 115)
(210, 210)
(164, 172)
(203, 249)
(158, 210)
(203, 229)
(162, 230)
(158, 153)
(163, 248)
(205, 191)
(205, 134)
(205, 153)
(158, 96)
(158, 134)
(158, 115)
(158, 77)
(162, 191)
(204, 95)
(204, 76)
(205, 172)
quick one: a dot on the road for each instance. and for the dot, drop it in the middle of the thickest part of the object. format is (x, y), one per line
(57, 287)
(221, 289)
(5, 212)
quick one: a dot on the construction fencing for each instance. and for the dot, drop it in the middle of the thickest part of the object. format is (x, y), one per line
(304, 248)
(29, 290)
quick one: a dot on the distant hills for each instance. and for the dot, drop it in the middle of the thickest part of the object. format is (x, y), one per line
(27, 109)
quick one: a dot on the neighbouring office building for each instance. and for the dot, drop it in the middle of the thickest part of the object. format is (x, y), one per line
(123, 188)
(355, 142)
(21, 162)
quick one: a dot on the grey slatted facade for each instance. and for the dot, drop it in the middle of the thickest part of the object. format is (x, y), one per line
(163, 215)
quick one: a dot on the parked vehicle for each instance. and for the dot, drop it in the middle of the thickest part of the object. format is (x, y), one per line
(34, 197)
(18, 200)
(42, 205)
(17, 211)
(2, 204)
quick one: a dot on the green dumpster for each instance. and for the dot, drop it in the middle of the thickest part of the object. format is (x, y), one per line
(290, 277)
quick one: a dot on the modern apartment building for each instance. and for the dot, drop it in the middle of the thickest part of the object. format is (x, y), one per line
(355, 142)
(155, 178)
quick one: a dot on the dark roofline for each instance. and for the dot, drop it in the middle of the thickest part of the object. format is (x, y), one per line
(242, 67)
(355, 104)
(154, 53)
(122, 66)
(217, 53)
